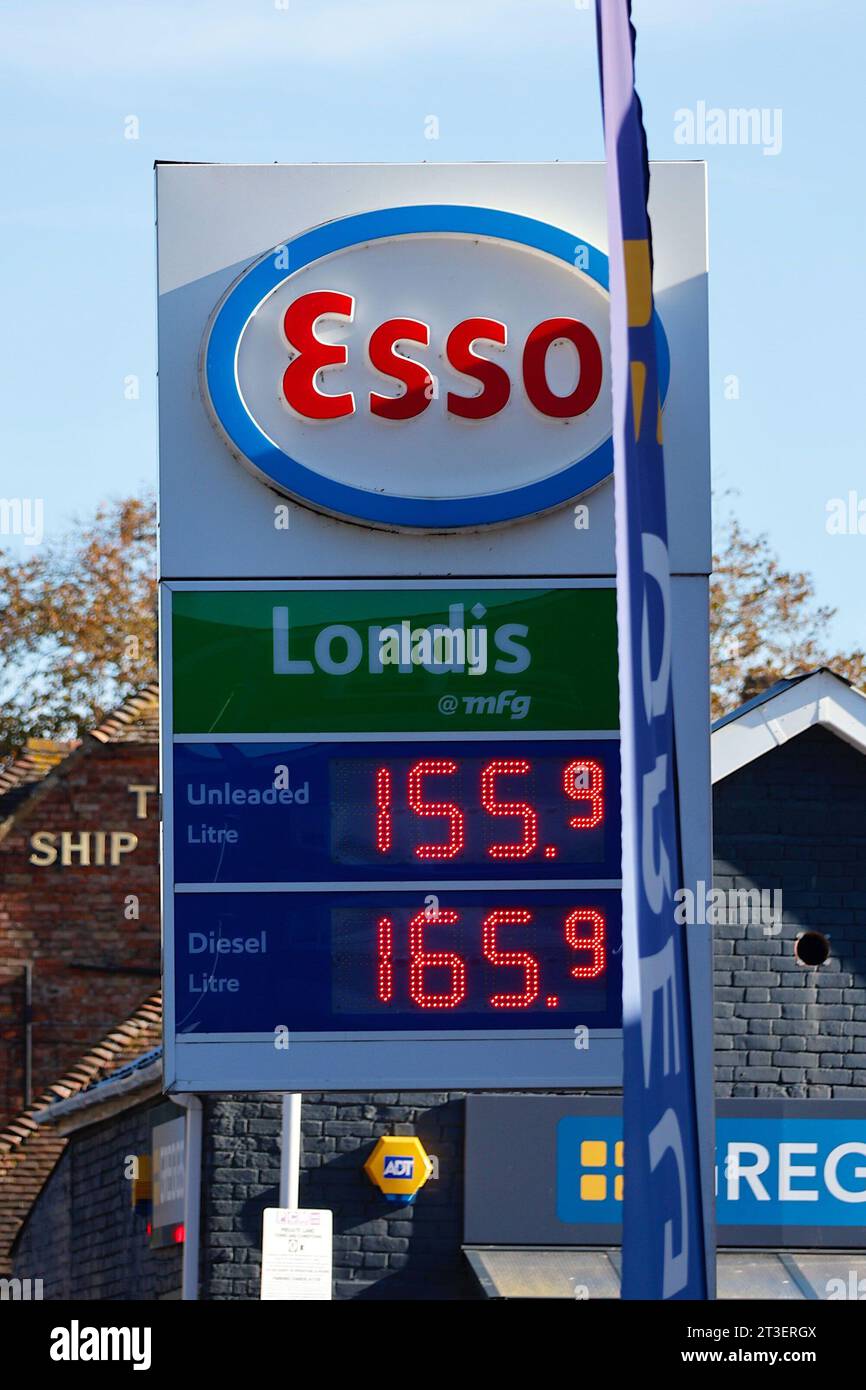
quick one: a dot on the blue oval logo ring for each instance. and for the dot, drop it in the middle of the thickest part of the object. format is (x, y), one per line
(223, 395)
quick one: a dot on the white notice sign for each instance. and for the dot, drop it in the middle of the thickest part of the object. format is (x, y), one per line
(296, 1254)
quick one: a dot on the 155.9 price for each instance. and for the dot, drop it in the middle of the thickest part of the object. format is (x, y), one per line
(497, 788)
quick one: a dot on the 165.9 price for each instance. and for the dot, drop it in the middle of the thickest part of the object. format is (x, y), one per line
(583, 932)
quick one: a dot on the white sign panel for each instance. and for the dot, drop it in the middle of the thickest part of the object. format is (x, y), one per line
(168, 1171)
(420, 349)
(297, 1255)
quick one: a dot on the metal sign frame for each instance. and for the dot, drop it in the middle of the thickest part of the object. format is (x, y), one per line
(214, 223)
(457, 1058)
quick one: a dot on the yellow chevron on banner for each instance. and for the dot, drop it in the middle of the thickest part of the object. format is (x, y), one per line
(638, 386)
(639, 282)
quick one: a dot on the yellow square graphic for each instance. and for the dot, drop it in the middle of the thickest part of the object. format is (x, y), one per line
(617, 1154)
(638, 279)
(593, 1153)
(593, 1187)
(617, 1187)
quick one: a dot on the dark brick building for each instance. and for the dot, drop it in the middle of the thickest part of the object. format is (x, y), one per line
(789, 818)
(30, 1154)
(86, 1241)
(79, 895)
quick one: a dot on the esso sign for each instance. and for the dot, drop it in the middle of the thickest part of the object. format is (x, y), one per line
(388, 351)
(427, 368)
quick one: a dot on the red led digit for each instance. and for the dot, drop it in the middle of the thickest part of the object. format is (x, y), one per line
(385, 960)
(437, 767)
(595, 942)
(384, 819)
(421, 959)
(511, 916)
(583, 780)
(509, 767)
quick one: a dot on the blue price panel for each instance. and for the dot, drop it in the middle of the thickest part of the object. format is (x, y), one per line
(382, 960)
(343, 812)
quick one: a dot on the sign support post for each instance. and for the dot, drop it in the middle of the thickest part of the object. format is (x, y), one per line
(290, 1157)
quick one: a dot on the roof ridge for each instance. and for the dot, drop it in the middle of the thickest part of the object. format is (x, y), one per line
(29, 1154)
(32, 764)
(88, 1066)
(778, 687)
(35, 763)
(127, 712)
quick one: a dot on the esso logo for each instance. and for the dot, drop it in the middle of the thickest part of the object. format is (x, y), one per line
(424, 368)
(388, 351)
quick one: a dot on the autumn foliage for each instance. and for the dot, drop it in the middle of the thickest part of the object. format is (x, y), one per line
(765, 623)
(78, 623)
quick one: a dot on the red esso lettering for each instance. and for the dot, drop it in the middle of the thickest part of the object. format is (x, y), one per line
(301, 391)
(538, 344)
(495, 381)
(463, 352)
(416, 379)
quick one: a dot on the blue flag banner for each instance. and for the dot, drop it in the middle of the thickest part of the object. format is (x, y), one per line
(663, 1237)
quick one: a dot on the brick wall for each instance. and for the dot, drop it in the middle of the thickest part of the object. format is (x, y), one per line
(46, 1246)
(84, 1241)
(794, 819)
(82, 1236)
(66, 918)
(381, 1249)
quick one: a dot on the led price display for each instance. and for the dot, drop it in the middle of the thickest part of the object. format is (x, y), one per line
(459, 808)
(379, 960)
(326, 812)
(449, 960)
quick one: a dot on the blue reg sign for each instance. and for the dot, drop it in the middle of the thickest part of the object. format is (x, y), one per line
(802, 1172)
(771, 1171)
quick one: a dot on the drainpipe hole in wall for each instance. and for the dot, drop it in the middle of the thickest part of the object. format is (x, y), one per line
(811, 948)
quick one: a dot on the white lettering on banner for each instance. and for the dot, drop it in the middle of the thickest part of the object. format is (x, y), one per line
(666, 1138)
(283, 664)
(735, 1171)
(831, 1176)
(656, 880)
(788, 1171)
(658, 972)
(656, 691)
(738, 1172)
(437, 648)
(657, 977)
(323, 649)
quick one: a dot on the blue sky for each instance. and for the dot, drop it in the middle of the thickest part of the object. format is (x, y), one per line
(297, 80)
